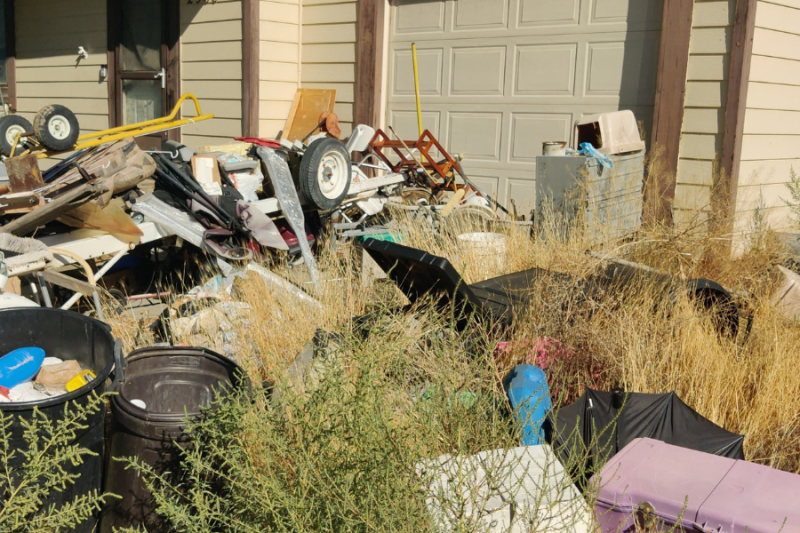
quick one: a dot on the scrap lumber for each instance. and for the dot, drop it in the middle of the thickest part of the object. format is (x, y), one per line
(305, 113)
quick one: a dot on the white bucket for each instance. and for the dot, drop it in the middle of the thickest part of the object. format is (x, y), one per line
(484, 253)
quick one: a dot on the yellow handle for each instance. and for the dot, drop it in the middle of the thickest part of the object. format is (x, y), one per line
(416, 86)
(156, 125)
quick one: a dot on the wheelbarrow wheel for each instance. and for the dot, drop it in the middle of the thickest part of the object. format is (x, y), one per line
(56, 127)
(10, 127)
(325, 173)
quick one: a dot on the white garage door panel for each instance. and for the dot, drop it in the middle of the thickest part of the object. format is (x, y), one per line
(499, 77)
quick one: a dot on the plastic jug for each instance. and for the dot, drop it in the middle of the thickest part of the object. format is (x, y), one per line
(529, 394)
(19, 366)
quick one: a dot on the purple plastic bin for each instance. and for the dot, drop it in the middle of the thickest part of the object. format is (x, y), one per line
(658, 485)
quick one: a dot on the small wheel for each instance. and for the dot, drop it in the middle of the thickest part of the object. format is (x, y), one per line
(10, 127)
(468, 218)
(325, 173)
(412, 195)
(56, 127)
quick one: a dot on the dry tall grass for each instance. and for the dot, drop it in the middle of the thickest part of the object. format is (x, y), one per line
(750, 386)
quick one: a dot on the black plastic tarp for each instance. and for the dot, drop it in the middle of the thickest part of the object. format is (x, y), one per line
(597, 426)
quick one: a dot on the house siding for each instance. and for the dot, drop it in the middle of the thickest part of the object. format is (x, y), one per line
(279, 66)
(704, 107)
(771, 141)
(329, 52)
(49, 33)
(211, 69)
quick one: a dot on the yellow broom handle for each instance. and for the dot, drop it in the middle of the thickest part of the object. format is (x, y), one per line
(416, 85)
(416, 91)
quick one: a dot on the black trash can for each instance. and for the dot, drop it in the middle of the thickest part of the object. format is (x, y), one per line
(66, 335)
(161, 386)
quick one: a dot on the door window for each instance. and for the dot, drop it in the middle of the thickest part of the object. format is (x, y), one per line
(141, 100)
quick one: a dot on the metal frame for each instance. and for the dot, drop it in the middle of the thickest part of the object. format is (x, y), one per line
(91, 140)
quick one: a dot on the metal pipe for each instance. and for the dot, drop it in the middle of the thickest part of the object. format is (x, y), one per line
(35, 291)
(45, 292)
(98, 305)
(416, 86)
(416, 89)
(417, 161)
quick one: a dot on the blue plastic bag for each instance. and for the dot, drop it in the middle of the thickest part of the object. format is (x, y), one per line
(20, 366)
(529, 394)
(588, 150)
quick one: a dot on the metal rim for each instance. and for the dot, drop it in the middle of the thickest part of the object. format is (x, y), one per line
(12, 132)
(332, 174)
(59, 127)
(480, 211)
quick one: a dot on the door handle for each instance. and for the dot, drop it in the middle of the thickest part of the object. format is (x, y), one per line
(163, 76)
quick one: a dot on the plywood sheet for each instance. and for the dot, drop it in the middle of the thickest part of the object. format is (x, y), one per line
(303, 117)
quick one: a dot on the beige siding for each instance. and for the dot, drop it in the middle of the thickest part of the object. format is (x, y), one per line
(211, 69)
(704, 106)
(329, 52)
(771, 142)
(49, 33)
(279, 72)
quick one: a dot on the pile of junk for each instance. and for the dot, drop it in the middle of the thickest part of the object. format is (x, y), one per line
(81, 210)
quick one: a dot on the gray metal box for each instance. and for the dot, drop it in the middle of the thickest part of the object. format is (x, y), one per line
(578, 190)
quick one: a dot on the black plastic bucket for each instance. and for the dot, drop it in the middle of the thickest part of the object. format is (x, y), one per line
(172, 382)
(66, 335)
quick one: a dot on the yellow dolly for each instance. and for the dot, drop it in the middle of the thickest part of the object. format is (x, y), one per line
(55, 126)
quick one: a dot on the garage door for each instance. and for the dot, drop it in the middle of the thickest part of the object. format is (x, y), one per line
(499, 77)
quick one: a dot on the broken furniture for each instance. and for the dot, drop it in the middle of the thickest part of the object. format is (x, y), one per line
(653, 486)
(93, 175)
(34, 257)
(79, 194)
(506, 490)
(434, 171)
(589, 432)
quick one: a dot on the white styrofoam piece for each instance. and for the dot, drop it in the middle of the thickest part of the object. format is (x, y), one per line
(511, 490)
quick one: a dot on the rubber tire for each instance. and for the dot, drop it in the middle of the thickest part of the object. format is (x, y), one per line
(42, 120)
(6, 123)
(312, 158)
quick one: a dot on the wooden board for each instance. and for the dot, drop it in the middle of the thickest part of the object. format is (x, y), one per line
(308, 105)
(23, 173)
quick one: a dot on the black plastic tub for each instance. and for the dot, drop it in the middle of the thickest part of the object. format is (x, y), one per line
(173, 383)
(66, 335)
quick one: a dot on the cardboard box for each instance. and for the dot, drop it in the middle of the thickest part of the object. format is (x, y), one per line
(206, 172)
